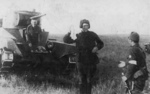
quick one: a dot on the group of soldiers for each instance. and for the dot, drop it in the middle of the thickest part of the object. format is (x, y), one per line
(88, 43)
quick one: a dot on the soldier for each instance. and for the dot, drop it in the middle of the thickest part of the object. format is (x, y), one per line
(136, 72)
(87, 43)
(33, 33)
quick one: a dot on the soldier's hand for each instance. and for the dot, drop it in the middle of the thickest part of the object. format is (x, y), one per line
(138, 73)
(124, 78)
(122, 64)
(30, 45)
(95, 49)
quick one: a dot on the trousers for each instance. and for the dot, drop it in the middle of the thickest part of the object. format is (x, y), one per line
(86, 74)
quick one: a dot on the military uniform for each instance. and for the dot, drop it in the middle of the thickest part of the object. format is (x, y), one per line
(33, 34)
(87, 60)
(85, 42)
(136, 72)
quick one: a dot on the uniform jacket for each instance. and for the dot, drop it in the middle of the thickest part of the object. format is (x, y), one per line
(136, 61)
(85, 42)
(33, 34)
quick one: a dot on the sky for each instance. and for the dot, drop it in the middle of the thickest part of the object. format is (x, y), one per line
(105, 16)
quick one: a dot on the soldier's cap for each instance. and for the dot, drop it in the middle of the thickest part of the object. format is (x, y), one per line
(134, 36)
(37, 17)
(84, 21)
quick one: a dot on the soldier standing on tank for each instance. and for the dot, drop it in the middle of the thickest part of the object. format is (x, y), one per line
(33, 33)
(136, 72)
(87, 43)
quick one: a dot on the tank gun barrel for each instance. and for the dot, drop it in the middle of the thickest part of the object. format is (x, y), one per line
(37, 16)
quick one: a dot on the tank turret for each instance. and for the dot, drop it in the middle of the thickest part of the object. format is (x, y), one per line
(19, 19)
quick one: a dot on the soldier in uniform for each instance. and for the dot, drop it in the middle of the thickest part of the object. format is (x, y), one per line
(87, 43)
(33, 33)
(136, 72)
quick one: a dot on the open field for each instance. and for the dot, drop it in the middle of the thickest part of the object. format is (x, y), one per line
(106, 81)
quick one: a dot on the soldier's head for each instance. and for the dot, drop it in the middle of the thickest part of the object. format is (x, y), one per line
(134, 37)
(34, 22)
(84, 24)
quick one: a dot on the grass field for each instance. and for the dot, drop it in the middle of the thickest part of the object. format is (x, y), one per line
(107, 78)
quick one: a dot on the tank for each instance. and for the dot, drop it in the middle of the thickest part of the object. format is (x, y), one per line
(15, 53)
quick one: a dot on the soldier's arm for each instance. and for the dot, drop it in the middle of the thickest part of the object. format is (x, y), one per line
(39, 35)
(132, 63)
(27, 34)
(67, 38)
(99, 43)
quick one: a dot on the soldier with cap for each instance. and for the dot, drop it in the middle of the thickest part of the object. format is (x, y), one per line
(33, 32)
(87, 43)
(136, 70)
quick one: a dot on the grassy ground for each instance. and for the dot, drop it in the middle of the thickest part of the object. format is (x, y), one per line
(107, 78)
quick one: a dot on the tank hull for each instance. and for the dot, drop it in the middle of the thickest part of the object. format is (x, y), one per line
(15, 53)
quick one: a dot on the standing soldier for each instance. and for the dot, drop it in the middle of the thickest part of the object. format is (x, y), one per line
(136, 71)
(87, 43)
(33, 33)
